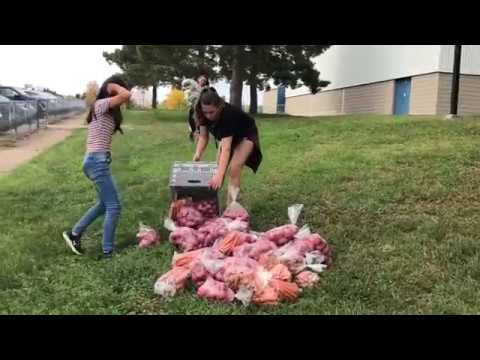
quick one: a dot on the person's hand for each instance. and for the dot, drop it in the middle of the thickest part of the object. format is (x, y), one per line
(196, 157)
(216, 182)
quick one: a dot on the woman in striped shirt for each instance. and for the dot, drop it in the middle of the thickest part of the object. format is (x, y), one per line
(104, 120)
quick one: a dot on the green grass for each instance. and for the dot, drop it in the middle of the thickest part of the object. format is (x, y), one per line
(396, 197)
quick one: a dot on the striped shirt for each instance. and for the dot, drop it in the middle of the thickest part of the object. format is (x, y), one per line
(101, 128)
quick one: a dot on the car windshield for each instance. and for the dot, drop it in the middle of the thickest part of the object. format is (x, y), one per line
(7, 92)
(21, 91)
(3, 99)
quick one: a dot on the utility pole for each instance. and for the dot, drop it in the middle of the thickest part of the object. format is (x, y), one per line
(455, 82)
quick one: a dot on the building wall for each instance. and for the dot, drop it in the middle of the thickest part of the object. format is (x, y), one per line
(470, 60)
(270, 102)
(323, 103)
(327, 103)
(299, 105)
(430, 95)
(142, 97)
(372, 98)
(352, 65)
(468, 97)
(424, 94)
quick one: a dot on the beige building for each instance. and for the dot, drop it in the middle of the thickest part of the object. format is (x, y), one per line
(142, 97)
(385, 79)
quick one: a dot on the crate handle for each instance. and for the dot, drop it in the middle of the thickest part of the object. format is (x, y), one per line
(194, 181)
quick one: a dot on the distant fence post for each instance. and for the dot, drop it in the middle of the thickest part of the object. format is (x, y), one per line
(37, 108)
(10, 110)
(27, 118)
(13, 118)
(47, 111)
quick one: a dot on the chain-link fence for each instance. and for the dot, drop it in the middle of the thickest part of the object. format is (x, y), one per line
(14, 114)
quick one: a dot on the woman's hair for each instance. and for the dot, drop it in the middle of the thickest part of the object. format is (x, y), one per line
(115, 112)
(208, 96)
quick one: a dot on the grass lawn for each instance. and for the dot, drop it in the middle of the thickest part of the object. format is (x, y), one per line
(397, 198)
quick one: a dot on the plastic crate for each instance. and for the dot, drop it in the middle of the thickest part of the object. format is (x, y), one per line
(190, 179)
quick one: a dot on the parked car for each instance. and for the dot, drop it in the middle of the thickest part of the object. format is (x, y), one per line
(17, 94)
(44, 99)
(41, 95)
(24, 112)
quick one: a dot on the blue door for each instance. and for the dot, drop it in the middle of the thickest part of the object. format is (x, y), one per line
(402, 96)
(281, 99)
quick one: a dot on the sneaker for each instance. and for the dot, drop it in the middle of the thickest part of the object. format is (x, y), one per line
(108, 255)
(73, 242)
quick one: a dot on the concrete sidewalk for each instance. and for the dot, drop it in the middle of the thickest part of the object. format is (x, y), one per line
(31, 146)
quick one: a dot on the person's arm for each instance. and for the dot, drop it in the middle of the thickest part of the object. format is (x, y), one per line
(218, 152)
(120, 95)
(201, 144)
(225, 149)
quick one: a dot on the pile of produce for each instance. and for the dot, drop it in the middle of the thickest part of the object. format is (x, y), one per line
(226, 261)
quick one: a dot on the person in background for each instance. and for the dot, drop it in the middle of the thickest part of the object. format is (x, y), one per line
(192, 91)
(104, 120)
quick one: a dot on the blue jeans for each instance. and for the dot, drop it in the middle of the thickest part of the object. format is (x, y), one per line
(96, 167)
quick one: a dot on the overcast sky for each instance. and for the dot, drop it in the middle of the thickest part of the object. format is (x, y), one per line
(66, 69)
(63, 68)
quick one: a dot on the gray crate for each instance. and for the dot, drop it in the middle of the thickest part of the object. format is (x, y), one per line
(190, 179)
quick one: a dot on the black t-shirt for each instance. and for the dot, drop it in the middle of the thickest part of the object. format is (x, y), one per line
(232, 122)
